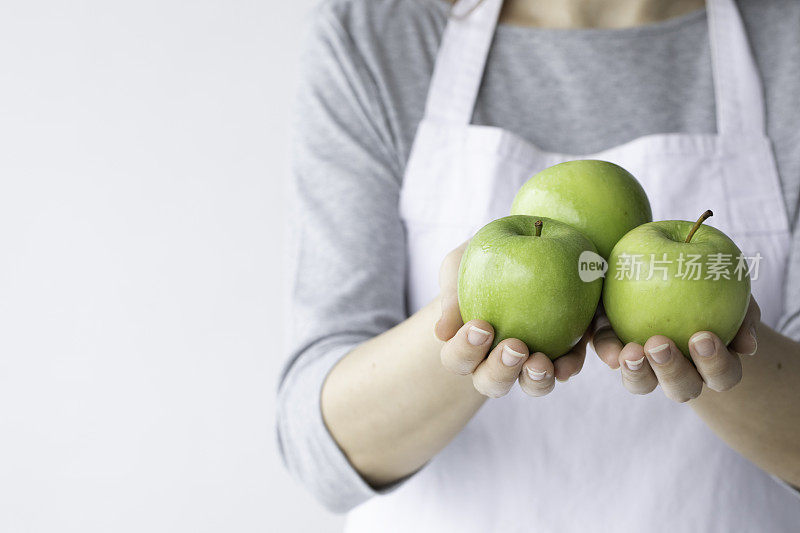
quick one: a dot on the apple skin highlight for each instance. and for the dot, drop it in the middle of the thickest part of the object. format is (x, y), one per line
(601, 199)
(667, 303)
(528, 286)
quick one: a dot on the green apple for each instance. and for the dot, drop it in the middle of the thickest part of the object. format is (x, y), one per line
(601, 199)
(520, 274)
(655, 286)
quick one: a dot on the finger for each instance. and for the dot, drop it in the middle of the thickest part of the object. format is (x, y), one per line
(497, 374)
(607, 346)
(678, 378)
(571, 363)
(537, 376)
(448, 272)
(468, 347)
(720, 368)
(637, 374)
(746, 340)
(450, 320)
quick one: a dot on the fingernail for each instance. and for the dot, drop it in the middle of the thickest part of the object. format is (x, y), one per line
(634, 365)
(536, 375)
(510, 357)
(477, 336)
(660, 354)
(755, 340)
(703, 345)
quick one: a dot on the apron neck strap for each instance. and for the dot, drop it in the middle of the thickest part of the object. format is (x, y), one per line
(460, 62)
(470, 28)
(737, 83)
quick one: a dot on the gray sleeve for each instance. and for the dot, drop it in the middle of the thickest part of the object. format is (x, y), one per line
(348, 275)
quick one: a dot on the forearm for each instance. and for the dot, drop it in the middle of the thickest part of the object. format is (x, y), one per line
(760, 417)
(391, 405)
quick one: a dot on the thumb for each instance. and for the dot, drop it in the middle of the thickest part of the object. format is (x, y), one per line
(450, 321)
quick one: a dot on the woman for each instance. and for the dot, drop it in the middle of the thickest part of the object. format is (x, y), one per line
(417, 123)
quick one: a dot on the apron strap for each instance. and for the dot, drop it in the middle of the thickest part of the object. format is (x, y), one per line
(461, 59)
(462, 54)
(737, 82)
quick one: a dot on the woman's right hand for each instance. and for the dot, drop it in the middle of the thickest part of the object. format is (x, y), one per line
(466, 347)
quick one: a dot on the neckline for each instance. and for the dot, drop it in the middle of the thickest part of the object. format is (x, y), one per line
(467, 40)
(663, 26)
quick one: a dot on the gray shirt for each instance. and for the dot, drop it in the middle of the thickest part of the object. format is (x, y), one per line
(366, 72)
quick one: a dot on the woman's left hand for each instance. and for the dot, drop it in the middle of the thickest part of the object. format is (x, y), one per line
(660, 361)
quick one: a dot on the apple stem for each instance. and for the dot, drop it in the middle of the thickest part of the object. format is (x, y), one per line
(697, 224)
(538, 227)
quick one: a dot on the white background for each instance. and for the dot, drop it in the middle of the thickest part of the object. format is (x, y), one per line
(142, 161)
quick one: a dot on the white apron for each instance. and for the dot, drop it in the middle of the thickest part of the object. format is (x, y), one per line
(590, 456)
